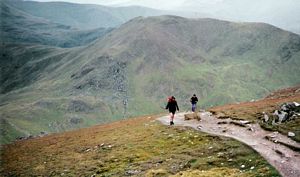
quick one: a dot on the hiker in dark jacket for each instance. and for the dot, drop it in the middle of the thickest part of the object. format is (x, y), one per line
(172, 106)
(194, 101)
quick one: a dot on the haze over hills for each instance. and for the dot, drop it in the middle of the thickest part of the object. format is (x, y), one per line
(83, 16)
(19, 27)
(281, 13)
(131, 70)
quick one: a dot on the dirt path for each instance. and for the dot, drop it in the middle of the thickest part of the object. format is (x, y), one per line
(285, 160)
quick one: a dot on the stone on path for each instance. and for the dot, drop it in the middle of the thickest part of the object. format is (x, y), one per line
(291, 134)
(192, 116)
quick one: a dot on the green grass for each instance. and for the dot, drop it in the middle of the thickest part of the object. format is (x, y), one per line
(284, 128)
(140, 145)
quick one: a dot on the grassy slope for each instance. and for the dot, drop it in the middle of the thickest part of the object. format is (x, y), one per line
(138, 145)
(253, 110)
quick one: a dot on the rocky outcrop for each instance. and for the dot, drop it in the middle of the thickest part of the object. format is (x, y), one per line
(41, 134)
(79, 106)
(285, 113)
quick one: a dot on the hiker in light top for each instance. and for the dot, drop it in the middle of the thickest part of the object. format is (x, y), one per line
(172, 106)
(194, 101)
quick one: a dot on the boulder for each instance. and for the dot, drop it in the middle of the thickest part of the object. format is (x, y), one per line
(245, 122)
(291, 134)
(266, 117)
(282, 116)
(132, 172)
(192, 116)
(288, 107)
(296, 104)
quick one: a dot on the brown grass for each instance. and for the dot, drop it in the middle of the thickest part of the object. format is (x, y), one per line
(138, 146)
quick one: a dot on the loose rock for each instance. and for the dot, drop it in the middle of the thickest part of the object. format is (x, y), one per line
(291, 134)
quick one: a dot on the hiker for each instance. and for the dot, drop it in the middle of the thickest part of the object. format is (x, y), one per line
(194, 101)
(172, 106)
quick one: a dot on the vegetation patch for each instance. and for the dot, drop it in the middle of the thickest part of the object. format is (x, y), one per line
(253, 111)
(136, 147)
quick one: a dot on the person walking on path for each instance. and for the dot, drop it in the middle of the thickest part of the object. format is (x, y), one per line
(172, 106)
(194, 101)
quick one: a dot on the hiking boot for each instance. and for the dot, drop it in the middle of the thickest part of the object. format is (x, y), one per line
(171, 123)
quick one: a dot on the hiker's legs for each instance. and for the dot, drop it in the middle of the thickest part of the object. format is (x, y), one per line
(172, 118)
(193, 107)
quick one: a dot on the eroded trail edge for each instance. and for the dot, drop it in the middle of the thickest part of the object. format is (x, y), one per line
(284, 159)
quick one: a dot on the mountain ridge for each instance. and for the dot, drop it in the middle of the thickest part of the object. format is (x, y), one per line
(92, 16)
(18, 26)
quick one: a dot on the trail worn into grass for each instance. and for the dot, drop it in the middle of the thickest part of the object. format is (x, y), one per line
(283, 158)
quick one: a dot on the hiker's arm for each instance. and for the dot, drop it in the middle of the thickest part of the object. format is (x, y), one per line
(167, 107)
(177, 107)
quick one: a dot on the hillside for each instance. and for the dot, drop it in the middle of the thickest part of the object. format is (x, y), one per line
(18, 26)
(216, 59)
(134, 147)
(82, 16)
(253, 111)
(132, 70)
(144, 147)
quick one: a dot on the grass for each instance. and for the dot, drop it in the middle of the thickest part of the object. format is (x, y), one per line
(139, 146)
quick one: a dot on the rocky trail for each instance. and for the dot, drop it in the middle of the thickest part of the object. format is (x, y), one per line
(279, 150)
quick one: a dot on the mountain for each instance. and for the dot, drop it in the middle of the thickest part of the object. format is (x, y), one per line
(131, 71)
(216, 59)
(82, 16)
(20, 27)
